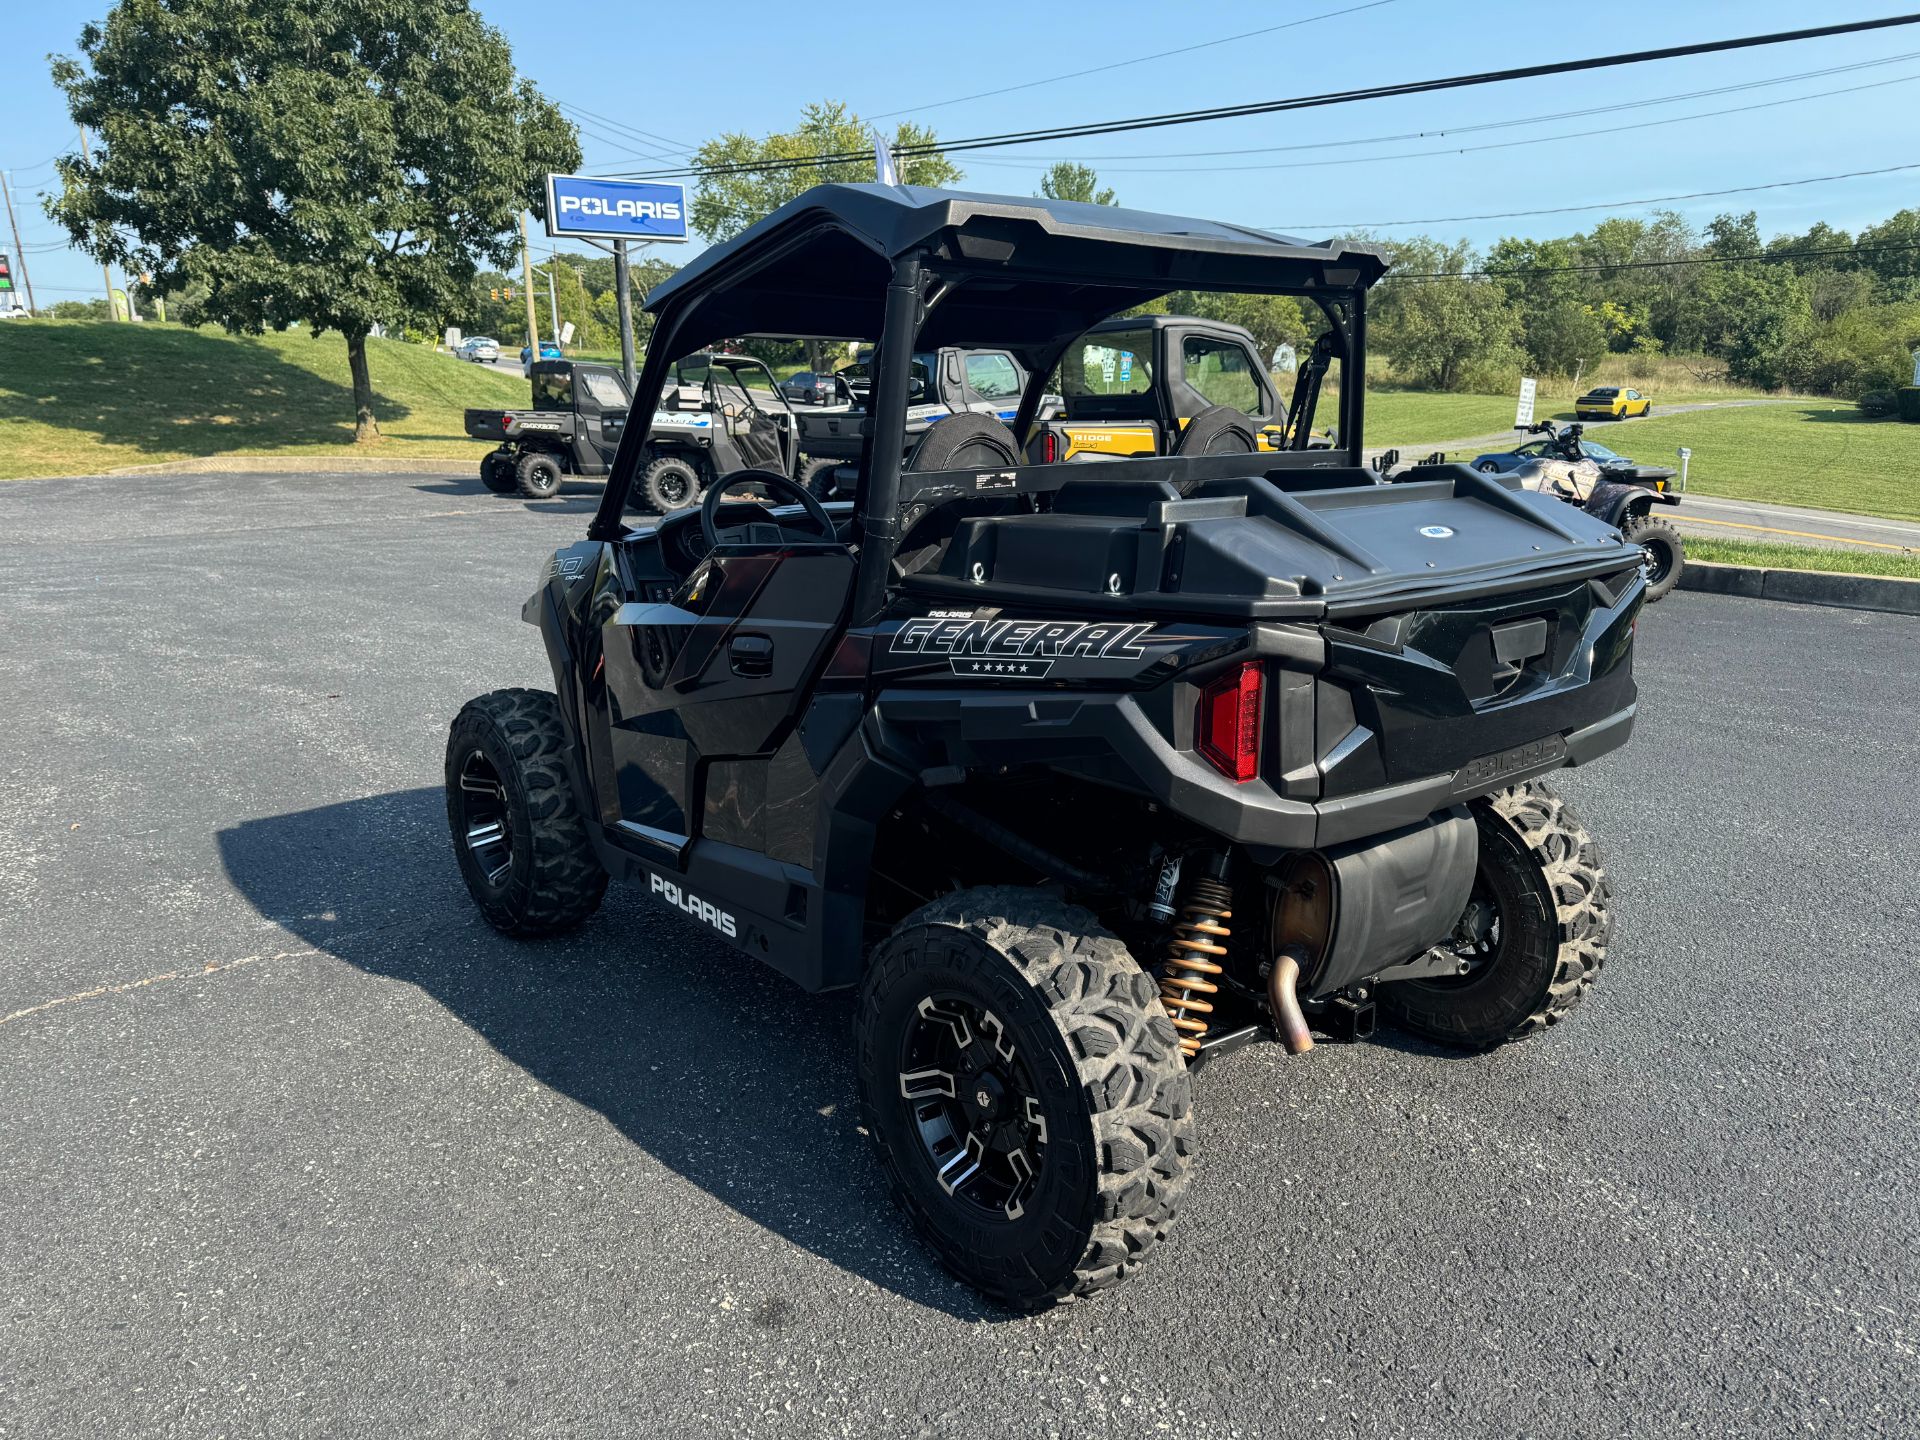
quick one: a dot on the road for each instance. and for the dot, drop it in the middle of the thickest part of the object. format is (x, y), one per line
(1793, 525)
(296, 1146)
(1725, 519)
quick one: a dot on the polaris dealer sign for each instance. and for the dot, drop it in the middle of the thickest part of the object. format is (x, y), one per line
(580, 205)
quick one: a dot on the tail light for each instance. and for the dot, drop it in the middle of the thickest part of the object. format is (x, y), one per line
(1049, 447)
(1228, 732)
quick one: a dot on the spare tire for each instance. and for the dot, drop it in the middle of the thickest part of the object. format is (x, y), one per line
(1218, 430)
(966, 441)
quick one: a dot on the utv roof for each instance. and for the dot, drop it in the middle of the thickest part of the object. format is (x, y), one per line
(1032, 269)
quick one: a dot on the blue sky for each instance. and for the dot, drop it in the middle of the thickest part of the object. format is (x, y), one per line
(632, 64)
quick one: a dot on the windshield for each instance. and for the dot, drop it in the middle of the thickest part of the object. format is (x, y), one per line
(1599, 452)
(1116, 362)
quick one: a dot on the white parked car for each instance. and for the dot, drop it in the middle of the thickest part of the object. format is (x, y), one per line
(479, 349)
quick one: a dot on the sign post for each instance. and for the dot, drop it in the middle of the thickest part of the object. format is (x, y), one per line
(623, 296)
(1685, 455)
(1523, 412)
(623, 211)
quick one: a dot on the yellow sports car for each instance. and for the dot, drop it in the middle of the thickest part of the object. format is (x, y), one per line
(1611, 402)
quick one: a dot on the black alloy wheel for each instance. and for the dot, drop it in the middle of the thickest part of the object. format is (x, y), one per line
(487, 833)
(974, 1105)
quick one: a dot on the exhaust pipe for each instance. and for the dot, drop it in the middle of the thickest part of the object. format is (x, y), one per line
(1282, 978)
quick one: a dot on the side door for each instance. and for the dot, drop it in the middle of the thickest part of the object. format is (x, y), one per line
(600, 408)
(705, 689)
(994, 381)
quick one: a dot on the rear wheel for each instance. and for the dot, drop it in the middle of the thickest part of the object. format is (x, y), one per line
(517, 830)
(496, 472)
(537, 476)
(1534, 934)
(1026, 1093)
(1666, 555)
(669, 484)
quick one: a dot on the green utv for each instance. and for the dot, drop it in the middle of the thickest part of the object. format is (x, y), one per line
(1083, 775)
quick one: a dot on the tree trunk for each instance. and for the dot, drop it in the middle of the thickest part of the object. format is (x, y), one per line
(365, 428)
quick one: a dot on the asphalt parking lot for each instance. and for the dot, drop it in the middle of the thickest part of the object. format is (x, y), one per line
(296, 1146)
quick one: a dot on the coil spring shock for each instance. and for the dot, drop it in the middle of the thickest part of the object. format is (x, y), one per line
(1200, 933)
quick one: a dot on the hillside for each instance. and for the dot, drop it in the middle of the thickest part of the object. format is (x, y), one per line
(80, 397)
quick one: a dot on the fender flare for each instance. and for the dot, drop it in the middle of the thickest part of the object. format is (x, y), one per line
(1616, 503)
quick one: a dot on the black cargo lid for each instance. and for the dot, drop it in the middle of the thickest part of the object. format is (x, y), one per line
(1285, 545)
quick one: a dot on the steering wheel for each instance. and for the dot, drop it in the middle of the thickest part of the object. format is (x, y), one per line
(771, 480)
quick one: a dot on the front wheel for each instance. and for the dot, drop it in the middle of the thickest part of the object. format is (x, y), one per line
(1534, 934)
(669, 484)
(1025, 1090)
(1665, 555)
(817, 476)
(518, 833)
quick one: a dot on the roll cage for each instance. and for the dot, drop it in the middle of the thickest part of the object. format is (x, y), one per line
(918, 268)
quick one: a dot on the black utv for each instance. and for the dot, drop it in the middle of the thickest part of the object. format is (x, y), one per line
(1084, 775)
(722, 412)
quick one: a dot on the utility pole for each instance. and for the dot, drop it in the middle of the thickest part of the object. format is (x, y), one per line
(526, 270)
(6, 189)
(106, 275)
(623, 293)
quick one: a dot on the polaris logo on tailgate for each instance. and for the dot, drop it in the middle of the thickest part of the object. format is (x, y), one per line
(700, 909)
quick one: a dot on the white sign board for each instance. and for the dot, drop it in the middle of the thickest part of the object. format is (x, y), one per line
(1523, 413)
(566, 333)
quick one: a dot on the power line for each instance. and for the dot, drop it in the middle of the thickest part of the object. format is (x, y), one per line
(1501, 144)
(633, 132)
(1773, 257)
(1137, 60)
(1612, 107)
(1338, 225)
(1307, 102)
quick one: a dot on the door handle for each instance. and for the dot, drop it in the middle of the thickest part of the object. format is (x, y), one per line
(751, 656)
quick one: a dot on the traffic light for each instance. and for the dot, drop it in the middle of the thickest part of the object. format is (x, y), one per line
(509, 292)
(495, 292)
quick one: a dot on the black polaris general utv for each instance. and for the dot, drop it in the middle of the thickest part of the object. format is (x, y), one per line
(1083, 774)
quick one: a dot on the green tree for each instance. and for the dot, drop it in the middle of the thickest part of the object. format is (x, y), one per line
(1445, 332)
(1758, 313)
(337, 163)
(725, 204)
(1068, 181)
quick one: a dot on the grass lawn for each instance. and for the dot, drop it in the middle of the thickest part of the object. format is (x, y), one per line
(1822, 453)
(79, 397)
(1770, 555)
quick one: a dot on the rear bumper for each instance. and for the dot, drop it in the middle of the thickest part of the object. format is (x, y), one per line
(1109, 739)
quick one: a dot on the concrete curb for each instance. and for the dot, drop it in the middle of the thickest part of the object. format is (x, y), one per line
(1804, 587)
(289, 465)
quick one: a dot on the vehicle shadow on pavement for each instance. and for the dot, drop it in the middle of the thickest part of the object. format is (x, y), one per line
(575, 497)
(718, 1068)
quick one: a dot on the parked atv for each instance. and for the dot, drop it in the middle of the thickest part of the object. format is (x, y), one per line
(1620, 491)
(722, 413)
(1084, 775)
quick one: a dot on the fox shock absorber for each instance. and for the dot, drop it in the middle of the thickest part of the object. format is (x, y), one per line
(1200, 935)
